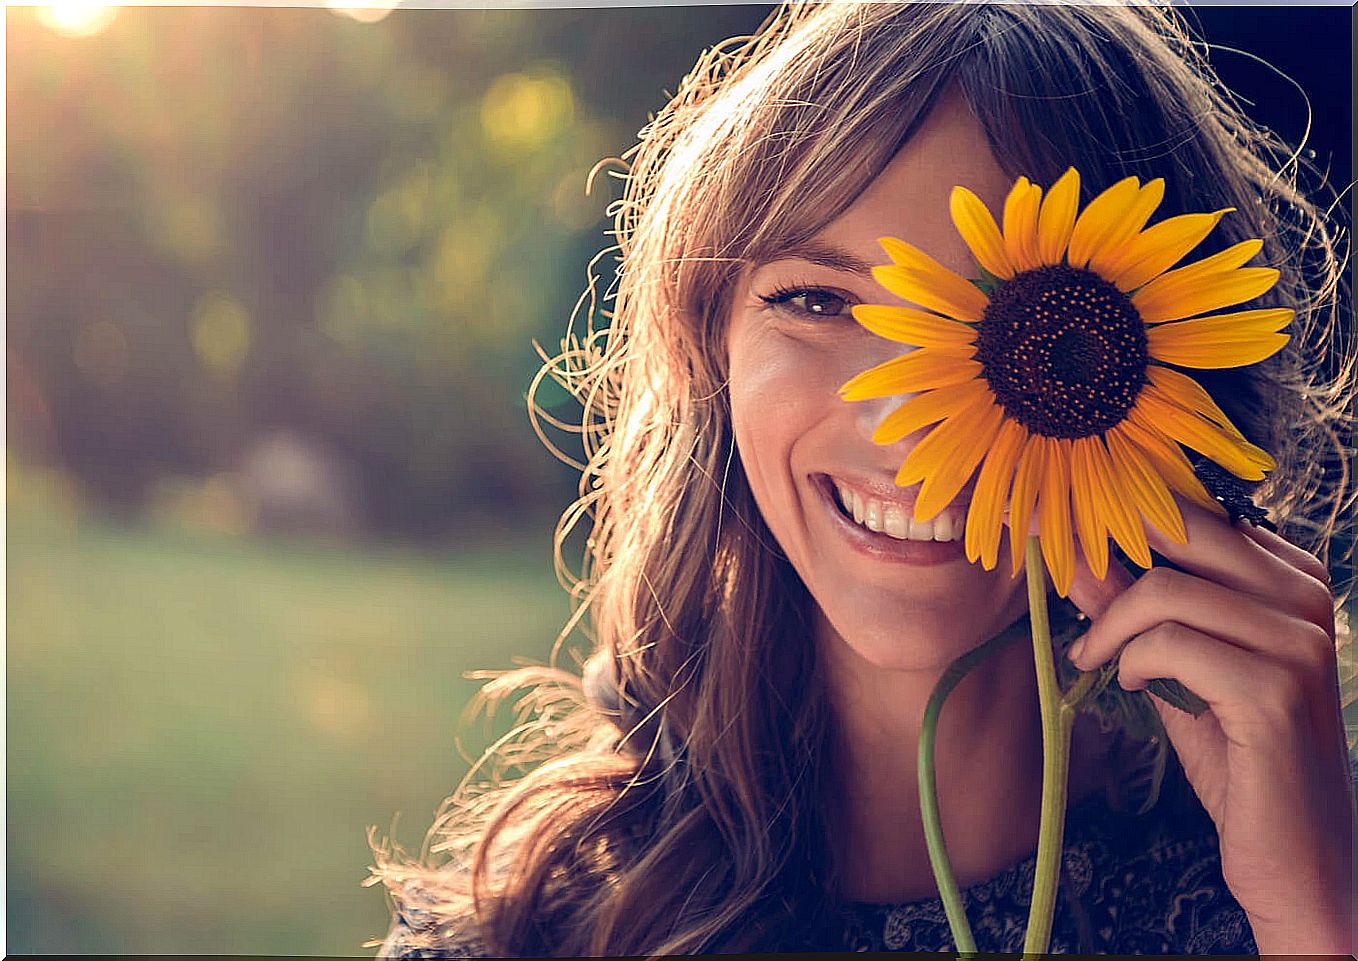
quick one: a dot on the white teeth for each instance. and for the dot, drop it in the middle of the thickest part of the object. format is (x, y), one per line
(921, 530)
(872, 516)
(887, 517)
(895, 523)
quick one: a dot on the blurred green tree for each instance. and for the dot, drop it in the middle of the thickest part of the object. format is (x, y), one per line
(225, 222)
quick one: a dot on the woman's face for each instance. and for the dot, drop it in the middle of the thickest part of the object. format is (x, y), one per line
(899, 603)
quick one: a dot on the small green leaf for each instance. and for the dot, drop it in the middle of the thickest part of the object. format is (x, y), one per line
(1176, 695)
(987, 282)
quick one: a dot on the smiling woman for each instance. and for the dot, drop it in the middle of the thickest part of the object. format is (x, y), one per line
(773, 597)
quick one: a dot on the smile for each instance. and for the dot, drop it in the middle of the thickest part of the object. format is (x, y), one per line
(885, 541)
(894, 517)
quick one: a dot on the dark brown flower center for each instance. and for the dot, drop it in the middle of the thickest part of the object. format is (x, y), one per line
(1064, 351)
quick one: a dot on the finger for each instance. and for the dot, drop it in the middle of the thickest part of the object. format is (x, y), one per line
(1252, 697)
(1307, 591)
(1092, 595)
(1239, 619)
(1220, 552)
(1303, 560)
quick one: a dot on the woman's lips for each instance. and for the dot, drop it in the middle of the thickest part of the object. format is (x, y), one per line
(881, 546)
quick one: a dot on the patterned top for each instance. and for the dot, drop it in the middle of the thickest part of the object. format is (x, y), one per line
(1130, 885)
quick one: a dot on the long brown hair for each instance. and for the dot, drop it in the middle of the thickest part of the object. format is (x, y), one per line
(674, 799)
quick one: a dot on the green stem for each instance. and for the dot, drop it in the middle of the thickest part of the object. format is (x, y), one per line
(928, 786)
(1058, 717)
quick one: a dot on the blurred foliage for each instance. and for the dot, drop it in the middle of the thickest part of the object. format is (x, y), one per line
(223, 222)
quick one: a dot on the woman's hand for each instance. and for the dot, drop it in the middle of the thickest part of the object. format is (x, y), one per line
(1250, 629)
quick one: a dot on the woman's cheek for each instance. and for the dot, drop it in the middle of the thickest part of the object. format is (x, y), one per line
(762, 390)
(780, 389)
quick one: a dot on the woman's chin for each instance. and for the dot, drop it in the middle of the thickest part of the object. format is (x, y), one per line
(918, 646)
(919, 640)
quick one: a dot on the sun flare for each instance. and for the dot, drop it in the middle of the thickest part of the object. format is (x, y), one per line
(77, 18)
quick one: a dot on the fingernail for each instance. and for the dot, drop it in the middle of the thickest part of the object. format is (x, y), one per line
(1076, 650)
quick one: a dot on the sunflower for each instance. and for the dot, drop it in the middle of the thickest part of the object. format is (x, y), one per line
(1055, 371)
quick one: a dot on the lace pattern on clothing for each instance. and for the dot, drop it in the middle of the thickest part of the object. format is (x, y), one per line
(1128, 886)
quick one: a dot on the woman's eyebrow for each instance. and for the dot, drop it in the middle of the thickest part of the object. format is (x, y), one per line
(823, 255)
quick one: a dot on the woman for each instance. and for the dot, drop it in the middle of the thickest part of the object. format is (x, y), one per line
(736, 771)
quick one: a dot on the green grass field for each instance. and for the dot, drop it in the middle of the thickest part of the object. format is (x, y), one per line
(200, 730)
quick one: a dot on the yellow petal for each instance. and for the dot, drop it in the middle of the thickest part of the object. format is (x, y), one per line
(1115, 506)
(1168, 461)
(1184, 278)
(1021, 500)
(1020, 224)
(1057, 217)
(907, 326)
(1223, 340)
(935, 288)
(1147, 489)
(904, 254)
(919, 370)
(1152, 392)
(1161, 246)
(1115, 242)
(1236, 353)
(1053, 515)
(987, 501)
(931, 454)
(1171, 296)
(1187, 393)
(973, 440)
(1088, 520)
(977, 227)
(1100, 218)
(1239, 457)
(927, 408)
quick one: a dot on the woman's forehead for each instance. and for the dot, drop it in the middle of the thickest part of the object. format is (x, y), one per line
(911, 197)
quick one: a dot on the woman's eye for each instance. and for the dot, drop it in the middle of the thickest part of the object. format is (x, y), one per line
(815, 301)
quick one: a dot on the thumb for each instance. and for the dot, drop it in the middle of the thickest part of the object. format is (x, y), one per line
(1092, 595)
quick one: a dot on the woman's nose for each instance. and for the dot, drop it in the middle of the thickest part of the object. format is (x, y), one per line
(870, 413)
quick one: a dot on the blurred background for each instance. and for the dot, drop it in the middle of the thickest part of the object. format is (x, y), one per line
(274, 279)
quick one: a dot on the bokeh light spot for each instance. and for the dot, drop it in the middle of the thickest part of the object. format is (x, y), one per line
(334, 706)
(188, 226)
(221, 332)
(521, 111)
(461, 264)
